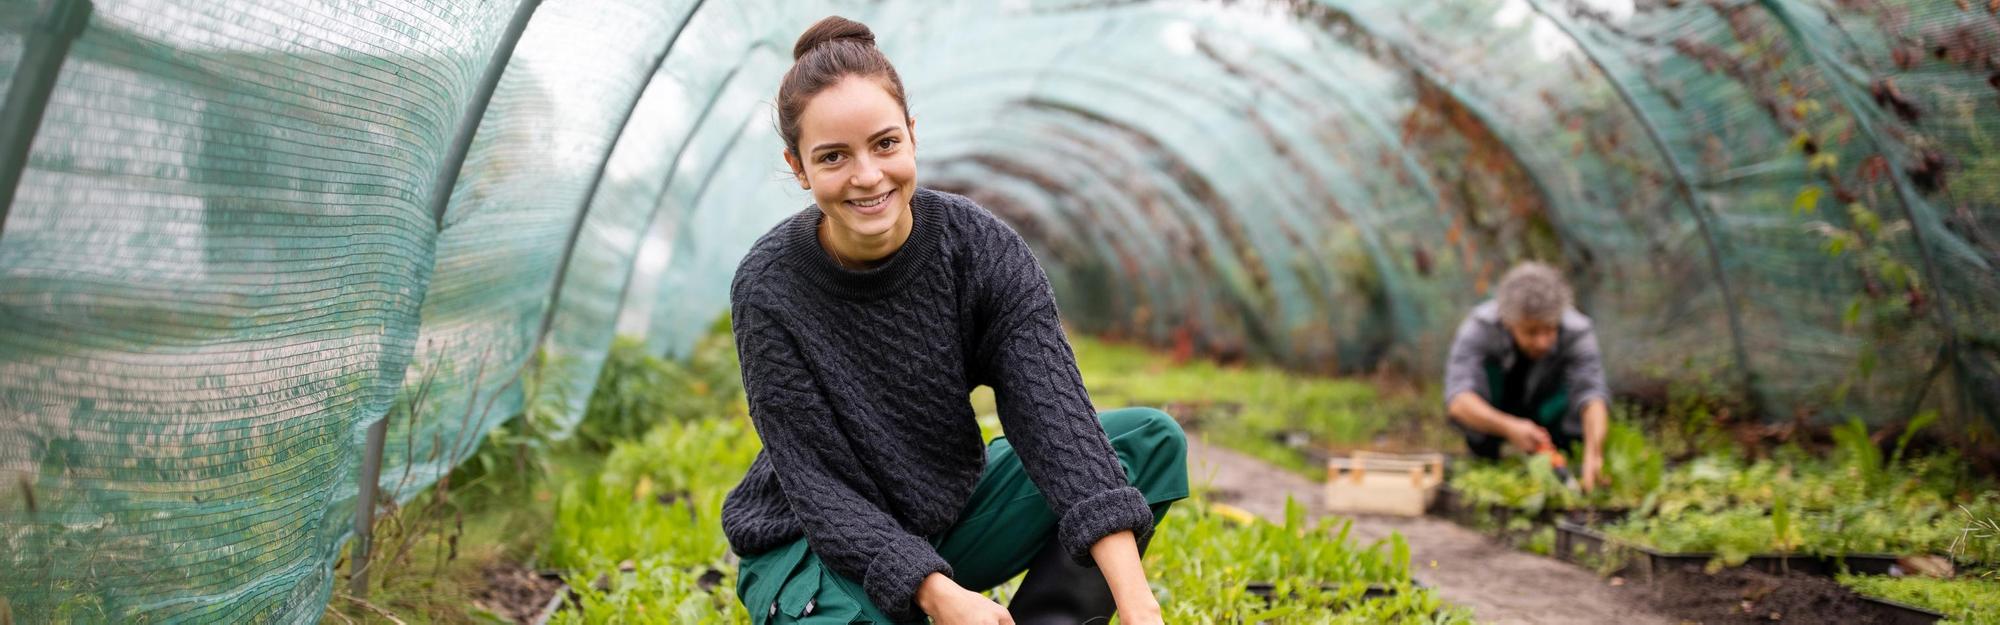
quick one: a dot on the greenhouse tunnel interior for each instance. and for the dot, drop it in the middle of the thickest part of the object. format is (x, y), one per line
(242, 233)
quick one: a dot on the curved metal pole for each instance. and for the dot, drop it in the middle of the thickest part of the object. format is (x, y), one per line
(596, 179)
(673, 171)
(441, 186)
(41, 62)
(475, 110)
(1700, 209)
(1399, 51)
(674, 166)
(1342, 208)
(1906, 197)
(727, 147)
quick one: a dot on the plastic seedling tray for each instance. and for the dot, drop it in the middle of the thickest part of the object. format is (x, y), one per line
(1575, 542)
(1452, 505)
(1268, 590)
(1897, 613)
(1571, 537)
(1860, 563)
(1595, 516)
(1581, 545)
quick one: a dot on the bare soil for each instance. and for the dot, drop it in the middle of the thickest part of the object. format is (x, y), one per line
(515, 592)
(1745, 596)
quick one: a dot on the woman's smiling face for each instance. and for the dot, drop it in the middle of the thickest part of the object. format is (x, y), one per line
(857, 154)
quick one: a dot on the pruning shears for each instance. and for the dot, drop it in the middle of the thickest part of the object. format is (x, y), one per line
(1561, 466)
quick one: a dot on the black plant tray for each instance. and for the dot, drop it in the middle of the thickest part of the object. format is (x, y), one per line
(1596, 516)
(1268, 590)
(1645, 561)
(1898, 613)
(1451, 505)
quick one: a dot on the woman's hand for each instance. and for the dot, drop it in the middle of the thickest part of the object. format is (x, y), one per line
(950, 604)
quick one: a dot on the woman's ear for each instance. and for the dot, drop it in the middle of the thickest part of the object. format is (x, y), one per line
(798, 171)
(911, 123)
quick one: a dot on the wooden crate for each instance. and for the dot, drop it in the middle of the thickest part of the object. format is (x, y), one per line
(1376, 483)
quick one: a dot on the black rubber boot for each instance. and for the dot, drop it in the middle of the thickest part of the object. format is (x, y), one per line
(1057, 591)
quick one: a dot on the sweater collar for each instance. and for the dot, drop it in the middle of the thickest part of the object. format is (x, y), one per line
(803, 250)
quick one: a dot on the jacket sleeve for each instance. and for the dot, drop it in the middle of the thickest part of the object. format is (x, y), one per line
(822, 475)
(1462, 371)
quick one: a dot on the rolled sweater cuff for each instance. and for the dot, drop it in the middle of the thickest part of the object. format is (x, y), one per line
(1104, 514)
(1576, 403)
(897, 571)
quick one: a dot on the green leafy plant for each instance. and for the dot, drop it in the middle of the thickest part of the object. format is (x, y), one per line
(638, 390)
(660, 494)
(641, 538)
(1529, 485)
(1853, 501)
(519, 455)
(1634, 465)
(1910, 430)
(1858, 452)
(1910, 522)
(1203, 562)
(654, 590)
(1783, 537)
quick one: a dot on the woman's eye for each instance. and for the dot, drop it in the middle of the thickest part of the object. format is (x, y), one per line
(830, 158)
(885, 144)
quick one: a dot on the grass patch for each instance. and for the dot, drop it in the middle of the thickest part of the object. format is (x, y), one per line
(433, 557)
(1289, 419)
(643, 538)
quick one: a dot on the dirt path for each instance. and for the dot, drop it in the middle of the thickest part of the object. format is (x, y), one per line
(1499, 584)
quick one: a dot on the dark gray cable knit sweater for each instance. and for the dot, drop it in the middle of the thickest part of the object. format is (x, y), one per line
(858, 383)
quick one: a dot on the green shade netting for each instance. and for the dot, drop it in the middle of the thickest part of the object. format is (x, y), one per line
(225, 258)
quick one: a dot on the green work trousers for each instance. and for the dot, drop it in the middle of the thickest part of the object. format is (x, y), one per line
(1551, 411)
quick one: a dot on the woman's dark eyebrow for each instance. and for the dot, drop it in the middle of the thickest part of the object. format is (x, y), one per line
(824, 146)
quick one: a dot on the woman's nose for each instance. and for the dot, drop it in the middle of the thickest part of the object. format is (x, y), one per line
(866, 174)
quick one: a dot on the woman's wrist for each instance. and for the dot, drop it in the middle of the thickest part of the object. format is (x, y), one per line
(1140, 610)
(1135, 598)
(934, 588)
(1138, 603)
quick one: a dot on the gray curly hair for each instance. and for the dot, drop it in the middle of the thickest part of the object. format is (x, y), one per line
(1532, 291)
